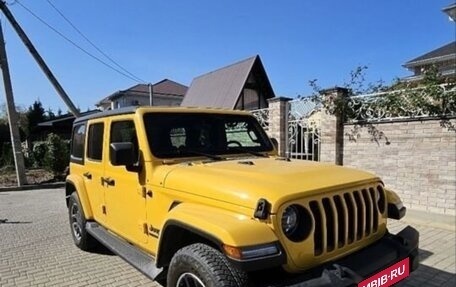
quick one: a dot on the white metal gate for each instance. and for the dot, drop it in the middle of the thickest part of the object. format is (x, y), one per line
(302, 129)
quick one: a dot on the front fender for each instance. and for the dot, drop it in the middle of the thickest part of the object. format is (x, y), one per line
(189, 223)
(396, 209)
(392, 196)
(78, 184)
(227, 227)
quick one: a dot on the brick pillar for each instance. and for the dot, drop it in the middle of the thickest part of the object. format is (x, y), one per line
(278, 122)
(332, 128)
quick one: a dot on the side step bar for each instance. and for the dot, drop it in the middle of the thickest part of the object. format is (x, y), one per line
(136, 257)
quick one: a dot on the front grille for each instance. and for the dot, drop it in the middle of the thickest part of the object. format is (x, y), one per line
(345, 218)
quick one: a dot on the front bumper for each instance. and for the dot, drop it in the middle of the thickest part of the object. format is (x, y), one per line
(356, 267)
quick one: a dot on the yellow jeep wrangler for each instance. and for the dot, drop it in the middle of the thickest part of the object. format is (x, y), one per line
(199, 197)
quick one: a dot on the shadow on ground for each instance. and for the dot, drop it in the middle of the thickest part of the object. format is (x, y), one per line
(101, 249)
(428, 276)
(6, 221)
(424, 254)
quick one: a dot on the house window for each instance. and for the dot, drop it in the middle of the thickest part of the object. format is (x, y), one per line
(77, 143)
(251, 99)
(95, 141)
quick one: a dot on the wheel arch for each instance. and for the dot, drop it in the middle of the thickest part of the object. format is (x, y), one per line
(177, 235)
(76, 184)
(189, 223)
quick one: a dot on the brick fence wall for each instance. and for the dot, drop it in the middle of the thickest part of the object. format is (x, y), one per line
(417, 159)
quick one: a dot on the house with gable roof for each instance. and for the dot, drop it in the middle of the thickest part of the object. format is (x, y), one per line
(243, 85)
(443, 58)
(163, 93)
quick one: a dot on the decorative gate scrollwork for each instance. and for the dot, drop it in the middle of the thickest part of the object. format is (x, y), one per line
(303, 130)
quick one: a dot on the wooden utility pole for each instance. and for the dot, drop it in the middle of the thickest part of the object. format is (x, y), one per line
(38, 59)
(12, 115)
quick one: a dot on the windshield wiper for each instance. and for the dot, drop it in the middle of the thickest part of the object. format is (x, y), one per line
(244, 150)
(208, 155)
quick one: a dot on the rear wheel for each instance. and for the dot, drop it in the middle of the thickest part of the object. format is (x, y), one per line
(199, 265)
(81, 237)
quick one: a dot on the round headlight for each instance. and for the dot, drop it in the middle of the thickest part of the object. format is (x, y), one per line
(289, 220)
(296, 222)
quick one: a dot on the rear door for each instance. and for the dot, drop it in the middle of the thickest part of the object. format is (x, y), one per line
(94, 169)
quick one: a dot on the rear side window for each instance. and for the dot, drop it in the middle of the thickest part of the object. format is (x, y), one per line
(77, 143)
(95, 141)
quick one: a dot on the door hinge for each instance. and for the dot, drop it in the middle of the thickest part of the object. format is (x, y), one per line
(103, 209)
(145, 229)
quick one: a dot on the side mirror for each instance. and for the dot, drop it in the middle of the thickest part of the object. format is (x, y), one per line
(275, 143)
(122, 153)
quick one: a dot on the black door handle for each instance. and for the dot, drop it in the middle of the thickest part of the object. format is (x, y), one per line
(108, 181)
(88, 175)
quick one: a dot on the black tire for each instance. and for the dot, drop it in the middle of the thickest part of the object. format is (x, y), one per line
(82, 239)
(205, 266)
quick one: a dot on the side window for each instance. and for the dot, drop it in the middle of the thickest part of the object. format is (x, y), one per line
(95, 141)
(124, 131)
(77, 143)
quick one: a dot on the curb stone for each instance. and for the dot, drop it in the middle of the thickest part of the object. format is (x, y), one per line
(33, 187)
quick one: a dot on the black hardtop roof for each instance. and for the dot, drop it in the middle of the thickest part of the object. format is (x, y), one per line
(132, 110)
(115, 112)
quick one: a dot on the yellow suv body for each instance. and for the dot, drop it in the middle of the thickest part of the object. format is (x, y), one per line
(200, 195)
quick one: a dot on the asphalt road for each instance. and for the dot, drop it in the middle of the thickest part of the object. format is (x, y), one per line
(36, 248)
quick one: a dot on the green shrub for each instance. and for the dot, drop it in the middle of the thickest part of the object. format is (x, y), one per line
(38, 153)
(6, 155)
(57, 155)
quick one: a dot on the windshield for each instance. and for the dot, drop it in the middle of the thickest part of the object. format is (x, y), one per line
(173, 135)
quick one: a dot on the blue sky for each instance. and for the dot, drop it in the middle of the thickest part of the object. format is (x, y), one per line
(154, 39)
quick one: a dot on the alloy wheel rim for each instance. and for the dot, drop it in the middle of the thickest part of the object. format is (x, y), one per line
(75, 222)
(189, 280)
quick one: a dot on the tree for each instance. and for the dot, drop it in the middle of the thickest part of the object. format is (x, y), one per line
(50, 114)
(35, 115)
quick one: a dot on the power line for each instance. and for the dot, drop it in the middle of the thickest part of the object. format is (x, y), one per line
(76, 45)
(91, 43)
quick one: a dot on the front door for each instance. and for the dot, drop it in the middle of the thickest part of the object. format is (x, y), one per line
(125, 201)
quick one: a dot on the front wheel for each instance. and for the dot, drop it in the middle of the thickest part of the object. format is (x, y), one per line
(81, 237)
(199, 265)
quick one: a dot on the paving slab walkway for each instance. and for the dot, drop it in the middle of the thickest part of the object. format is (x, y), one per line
(36, 248)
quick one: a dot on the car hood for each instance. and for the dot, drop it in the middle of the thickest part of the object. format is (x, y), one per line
(243, 182)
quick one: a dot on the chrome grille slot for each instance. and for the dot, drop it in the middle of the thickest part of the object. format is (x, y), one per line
(369, 211)
(376, 212)
(342, 226)
(352, 222)
(330, 226)
(360, 211)
(344, 218)
(319, 223)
